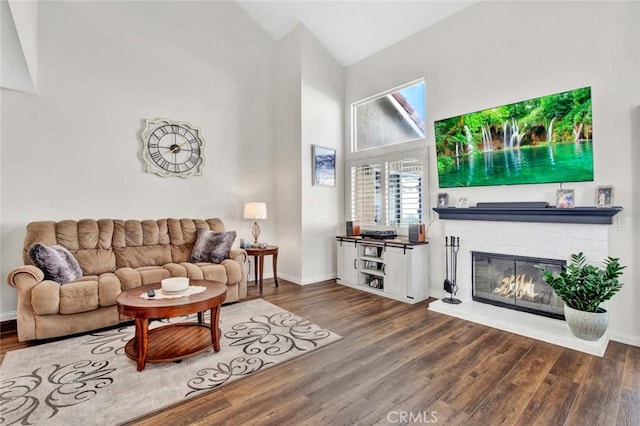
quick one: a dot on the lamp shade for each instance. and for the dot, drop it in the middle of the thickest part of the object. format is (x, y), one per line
(255, 210)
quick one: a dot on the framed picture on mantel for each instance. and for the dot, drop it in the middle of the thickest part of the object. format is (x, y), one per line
(565, 198)
(443, 199)
(604, 196)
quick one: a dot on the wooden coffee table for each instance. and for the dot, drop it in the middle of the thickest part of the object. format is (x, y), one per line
(177, 341)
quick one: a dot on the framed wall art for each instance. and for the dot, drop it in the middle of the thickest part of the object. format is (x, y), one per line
(324, 165)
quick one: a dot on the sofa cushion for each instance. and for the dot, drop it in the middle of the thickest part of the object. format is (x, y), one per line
(45, 298)
(57, 263)
(212, 247)
(213, 272)
(79, 296)
(138, 257)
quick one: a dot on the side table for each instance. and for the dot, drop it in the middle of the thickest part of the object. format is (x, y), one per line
(258, 258)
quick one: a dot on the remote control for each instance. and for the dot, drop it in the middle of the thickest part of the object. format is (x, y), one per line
(151, 293)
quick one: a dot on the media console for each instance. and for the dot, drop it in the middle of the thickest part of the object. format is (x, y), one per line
(395, 268)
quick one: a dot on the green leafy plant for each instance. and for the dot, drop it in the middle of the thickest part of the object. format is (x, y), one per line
(583, 286)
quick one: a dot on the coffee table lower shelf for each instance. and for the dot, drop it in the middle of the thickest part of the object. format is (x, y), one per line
(173, 342)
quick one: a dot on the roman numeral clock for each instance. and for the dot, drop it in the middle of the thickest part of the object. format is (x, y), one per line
(172, 148)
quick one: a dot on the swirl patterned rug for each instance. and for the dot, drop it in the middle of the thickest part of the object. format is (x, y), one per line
(89, 380)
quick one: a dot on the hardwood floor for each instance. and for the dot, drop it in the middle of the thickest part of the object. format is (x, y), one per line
(400, 363)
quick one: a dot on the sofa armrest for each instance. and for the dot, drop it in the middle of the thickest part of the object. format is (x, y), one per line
(239, 255)
(25, 277)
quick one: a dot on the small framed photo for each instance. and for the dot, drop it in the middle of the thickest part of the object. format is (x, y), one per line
(565, 198)
(604, 196)
(443, 199)
(324, 165)
(463, 201)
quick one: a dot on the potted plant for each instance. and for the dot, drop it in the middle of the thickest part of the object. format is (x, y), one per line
(583, 287)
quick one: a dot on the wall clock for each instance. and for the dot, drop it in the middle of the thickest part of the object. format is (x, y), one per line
(172, 148)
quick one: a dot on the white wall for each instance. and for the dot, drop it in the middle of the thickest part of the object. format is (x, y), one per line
(71, 151)
(288, 149)
(309, 111)
(322, 124)
(496, 53)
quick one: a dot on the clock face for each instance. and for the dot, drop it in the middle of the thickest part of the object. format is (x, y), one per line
(172, 148)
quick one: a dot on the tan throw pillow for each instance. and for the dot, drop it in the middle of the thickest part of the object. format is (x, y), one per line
(212, 247)
(57, 263)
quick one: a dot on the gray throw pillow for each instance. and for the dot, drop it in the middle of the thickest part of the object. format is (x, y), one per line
(212, 247)
(57, 263)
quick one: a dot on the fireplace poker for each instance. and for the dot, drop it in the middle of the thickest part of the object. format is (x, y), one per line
(454, 274)
(450, 285)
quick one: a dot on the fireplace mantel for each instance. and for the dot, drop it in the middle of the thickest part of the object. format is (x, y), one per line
(587, 215)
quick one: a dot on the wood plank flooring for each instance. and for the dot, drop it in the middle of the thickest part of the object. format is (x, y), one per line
(401, 364)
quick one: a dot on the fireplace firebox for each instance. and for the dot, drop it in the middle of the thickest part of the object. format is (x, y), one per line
(514, 282)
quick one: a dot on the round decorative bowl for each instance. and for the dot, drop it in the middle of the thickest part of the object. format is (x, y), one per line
(175, 284)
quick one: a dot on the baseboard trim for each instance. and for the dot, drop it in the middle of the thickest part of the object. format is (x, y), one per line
(7, 316)
(627, 339)
(314, 280)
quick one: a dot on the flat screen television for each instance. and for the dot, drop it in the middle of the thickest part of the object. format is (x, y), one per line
(541, 140)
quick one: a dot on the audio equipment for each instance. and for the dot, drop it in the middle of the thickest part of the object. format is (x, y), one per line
(417, 233)
(379, 235)
(353, 228)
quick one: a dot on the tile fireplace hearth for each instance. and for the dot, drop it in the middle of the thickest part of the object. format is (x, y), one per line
(554, 241)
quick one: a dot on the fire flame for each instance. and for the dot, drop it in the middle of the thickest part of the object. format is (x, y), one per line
(515, 286)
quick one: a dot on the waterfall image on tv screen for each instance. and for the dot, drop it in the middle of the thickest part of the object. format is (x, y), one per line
(541, 140)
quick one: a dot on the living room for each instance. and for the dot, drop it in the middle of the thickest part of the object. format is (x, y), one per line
(71, 150)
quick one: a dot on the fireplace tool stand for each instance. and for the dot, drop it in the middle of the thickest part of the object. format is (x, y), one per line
(451, 248)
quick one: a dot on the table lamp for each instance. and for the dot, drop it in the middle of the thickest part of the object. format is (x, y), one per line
(255, 210)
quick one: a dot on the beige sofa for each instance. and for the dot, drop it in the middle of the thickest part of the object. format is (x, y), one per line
(113, 255)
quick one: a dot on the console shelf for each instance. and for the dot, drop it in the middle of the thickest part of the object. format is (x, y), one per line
(589, 215)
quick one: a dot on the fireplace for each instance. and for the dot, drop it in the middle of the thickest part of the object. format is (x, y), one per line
(514, 282)
(530, 239)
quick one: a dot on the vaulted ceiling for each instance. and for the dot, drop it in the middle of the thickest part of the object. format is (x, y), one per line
(349, 29)
(352, 30)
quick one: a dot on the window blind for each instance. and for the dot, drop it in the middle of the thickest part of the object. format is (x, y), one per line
(366, 194)
(388, 193)
(404, 192)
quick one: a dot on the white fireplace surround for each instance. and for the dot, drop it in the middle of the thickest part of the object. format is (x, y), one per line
(545, 240)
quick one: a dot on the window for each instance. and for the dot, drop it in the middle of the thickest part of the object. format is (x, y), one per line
(386, 181)
(389, 192)
(394, 117)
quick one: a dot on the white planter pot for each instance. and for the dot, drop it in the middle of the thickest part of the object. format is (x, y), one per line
(586, 325)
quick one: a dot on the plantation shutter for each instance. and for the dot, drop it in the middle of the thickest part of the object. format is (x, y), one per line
(404, 191)
(366, 194)
(388, 193)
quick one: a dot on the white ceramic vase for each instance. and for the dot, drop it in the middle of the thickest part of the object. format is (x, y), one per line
(586, 325)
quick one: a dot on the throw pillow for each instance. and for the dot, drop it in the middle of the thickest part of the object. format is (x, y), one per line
(212, 247)
(57, 263)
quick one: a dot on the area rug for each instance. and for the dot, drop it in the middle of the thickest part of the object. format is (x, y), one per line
(89, 379)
